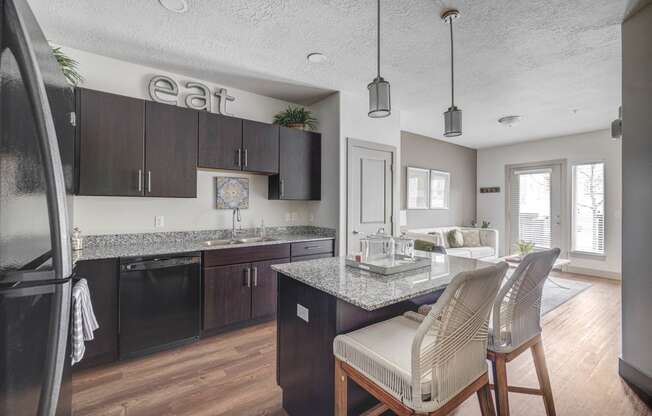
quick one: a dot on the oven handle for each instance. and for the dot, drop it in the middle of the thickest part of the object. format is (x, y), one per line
(159, 263)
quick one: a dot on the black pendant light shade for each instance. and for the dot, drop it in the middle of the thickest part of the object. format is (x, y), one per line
(453, 122)
(379, 98)
(453, 116)
(380, 104)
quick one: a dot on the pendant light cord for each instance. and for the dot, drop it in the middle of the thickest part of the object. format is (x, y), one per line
(378, 39)
(452, 66)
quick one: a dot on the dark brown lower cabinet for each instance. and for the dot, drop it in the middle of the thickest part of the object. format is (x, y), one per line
(102, 278)
(227, 295)
(263, 301)
(238, 293)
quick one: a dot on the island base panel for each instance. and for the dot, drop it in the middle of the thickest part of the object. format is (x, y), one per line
(305, 362)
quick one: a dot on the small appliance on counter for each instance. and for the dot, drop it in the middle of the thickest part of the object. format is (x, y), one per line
(76, 239)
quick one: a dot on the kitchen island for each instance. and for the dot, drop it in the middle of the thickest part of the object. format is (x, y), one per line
(320, 299)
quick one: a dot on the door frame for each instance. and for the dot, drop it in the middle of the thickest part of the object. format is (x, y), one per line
(564, 202)
(350, 144)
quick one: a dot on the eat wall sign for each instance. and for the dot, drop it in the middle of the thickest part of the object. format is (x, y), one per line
(197, 96)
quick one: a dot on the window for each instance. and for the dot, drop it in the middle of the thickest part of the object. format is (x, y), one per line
(588, 208)
(417, 182)
(427, 189)
(439, 186)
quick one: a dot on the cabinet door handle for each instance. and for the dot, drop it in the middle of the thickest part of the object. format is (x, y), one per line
(248, 277)
(282, 188)
(310, 247)
(140, 180)
(149, 181)
(238, 157)
(255, 276)
(246, 158)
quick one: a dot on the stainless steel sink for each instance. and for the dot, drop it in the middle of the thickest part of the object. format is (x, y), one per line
(254, 239)
(229, 242)
(224, 242)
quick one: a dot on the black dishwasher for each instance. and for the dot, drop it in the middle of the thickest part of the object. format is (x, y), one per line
(159, 303)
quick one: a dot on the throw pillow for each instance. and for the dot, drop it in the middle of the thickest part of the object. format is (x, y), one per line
(423, 245)
(455, 239)
(471, 238)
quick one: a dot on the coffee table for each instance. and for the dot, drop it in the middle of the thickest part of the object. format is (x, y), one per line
(514, 260)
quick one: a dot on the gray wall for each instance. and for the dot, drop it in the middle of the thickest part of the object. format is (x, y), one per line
(425, 152)
(636, 362)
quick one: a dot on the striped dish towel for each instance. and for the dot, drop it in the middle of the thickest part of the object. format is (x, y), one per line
(84, 322)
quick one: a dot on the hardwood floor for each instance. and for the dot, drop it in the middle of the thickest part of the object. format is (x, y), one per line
(234, 374)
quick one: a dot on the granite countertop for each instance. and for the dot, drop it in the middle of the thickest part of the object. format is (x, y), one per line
(149, 244)
(371, 291)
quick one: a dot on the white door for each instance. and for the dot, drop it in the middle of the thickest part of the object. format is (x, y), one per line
(535, 201)
(370, 191)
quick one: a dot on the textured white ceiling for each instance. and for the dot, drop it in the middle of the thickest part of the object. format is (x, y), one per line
(541, 59)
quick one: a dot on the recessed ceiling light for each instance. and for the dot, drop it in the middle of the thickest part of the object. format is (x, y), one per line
(177, 6)
(316, 58)
(509, 121)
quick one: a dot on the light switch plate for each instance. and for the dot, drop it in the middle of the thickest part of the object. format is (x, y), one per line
(303, 312)
(159, 221)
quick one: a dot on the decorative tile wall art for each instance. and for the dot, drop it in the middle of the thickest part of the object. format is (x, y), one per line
(232, 193)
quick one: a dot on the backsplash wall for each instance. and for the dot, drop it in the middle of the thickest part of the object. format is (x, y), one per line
(108, 215)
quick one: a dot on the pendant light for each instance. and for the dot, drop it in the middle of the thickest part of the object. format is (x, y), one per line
(379, 99)
(452, 117)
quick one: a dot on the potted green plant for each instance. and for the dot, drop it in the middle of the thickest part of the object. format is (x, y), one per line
(296, 118)
(523, 248)
(68, 66)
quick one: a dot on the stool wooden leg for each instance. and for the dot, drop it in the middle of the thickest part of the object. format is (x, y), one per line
(499, 367)
(539, 357)
(341, 387)
(486, 402)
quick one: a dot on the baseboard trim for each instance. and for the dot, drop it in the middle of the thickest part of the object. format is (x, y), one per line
(639, 382)
(592, 272)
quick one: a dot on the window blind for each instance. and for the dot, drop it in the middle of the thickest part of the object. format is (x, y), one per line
(530, 200)
(588, 208)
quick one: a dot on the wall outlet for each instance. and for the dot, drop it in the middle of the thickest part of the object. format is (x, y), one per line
(294, 218)
(288, 217)
(303, 312)
(159, 221)
(311, 219)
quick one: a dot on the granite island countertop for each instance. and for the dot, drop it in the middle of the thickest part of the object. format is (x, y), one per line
(151, 244)
(371, 291)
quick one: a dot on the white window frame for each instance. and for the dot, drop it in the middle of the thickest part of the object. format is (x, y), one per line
(410, 170)
(447, 191)
(574, 251)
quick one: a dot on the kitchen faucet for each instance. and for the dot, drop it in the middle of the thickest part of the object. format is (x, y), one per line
(236, 215)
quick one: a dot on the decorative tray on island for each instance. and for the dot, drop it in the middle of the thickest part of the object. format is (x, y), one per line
(390, 264)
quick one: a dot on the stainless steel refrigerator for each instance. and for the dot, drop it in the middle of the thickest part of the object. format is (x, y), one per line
(36, 171)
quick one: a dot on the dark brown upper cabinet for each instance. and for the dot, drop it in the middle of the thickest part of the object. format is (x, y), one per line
(236, 144)
(170, 151)
(260, 147)
(299, 176)
(220, 142)
(110, 144)
(131, 147)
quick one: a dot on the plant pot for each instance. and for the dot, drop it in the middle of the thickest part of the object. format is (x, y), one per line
(298, 126)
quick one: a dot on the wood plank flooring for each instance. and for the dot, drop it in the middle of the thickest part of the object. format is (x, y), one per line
(234, 374)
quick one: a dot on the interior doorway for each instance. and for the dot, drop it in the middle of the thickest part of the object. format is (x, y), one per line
(370, 190)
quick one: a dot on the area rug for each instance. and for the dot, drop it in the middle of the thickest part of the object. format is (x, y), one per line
(558, 291)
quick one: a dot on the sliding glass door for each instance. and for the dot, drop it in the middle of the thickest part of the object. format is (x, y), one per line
(534, 212)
